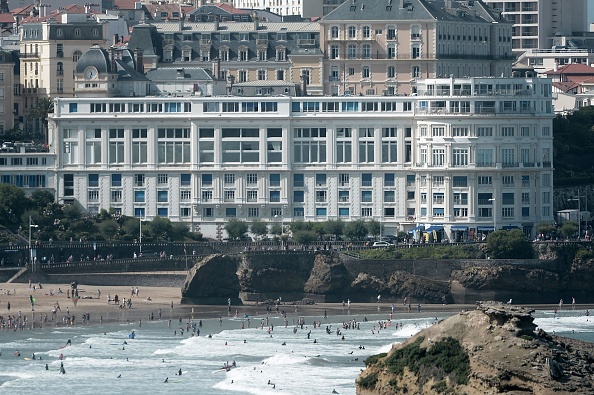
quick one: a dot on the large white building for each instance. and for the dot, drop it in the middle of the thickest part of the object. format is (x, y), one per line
(460, 155)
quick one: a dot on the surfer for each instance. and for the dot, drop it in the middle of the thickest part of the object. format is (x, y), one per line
(46, 367)
(17, 353)
(334, 391)
(166, 380)
(69, 342)
(62, 370)
(179, 373)
(119, 376)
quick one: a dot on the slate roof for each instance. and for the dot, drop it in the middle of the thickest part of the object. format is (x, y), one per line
(96, 57)
(171, 73)
(170, 27)
(145, 37)
(418, 10)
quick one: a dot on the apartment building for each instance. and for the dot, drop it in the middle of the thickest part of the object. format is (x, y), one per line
(379, 47)
(538, 22)
(459, 156)
(9, 83)
(236, 51)
(304, 8)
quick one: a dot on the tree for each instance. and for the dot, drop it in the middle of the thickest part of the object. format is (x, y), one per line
(569, 228)
(335, 228)
(108, 229)
(545, 228)
(318, 228)
(131, 226)
(72, 212)
(179, 231)
(374, 228)
(276, 229)
(13, 203)
(40, 112)
(259, 229)
(236, 229)
(509, 244)
(160, 227)
(304, 236)
(296, 226)
(356, 230)
(42, 198)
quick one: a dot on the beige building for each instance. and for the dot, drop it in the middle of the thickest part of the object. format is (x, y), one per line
(7, 86)
(49, 52)
(373, 47)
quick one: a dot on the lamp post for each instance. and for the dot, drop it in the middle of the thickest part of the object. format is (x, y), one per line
(31, 225)
(494, 213)
(282, 227)
(140, 238)
(579, 216)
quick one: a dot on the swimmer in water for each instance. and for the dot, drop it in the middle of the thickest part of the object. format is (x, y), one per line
(179, 373)
(120, 376)
(166, 380)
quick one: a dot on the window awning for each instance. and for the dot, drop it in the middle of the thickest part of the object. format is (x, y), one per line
(459, 228)
(509, 227)
(420, 227)
(485, 228)
(434, 227)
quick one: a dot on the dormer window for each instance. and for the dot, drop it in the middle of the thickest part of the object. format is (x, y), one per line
(244, 37)
(77, 32)
(60, 33)
(224, 54)
(95, 32)
(281, 54)
(262, 55)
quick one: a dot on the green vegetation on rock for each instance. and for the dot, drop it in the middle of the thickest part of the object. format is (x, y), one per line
(470, 251)
(444, 358)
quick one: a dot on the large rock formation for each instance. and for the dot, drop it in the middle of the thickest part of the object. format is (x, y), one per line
(494, 349)
(212, 280)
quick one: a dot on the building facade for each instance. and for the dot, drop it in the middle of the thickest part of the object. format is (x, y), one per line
(49, 53)
(461, 156)
(378, 47)
(537, 22)
(237, 52)
(9, 82)
(304, 8)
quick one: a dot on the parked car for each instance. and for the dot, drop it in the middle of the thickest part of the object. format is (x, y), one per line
(382, 244)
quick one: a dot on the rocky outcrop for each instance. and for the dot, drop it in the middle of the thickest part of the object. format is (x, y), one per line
(212, 280)
(494, 349)
(332, 277)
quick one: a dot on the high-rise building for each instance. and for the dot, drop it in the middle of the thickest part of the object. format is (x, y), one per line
(537, 22)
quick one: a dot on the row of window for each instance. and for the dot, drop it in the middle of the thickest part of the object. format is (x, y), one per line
(23, 161)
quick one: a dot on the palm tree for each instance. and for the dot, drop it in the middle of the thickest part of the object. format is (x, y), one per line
(40, 112)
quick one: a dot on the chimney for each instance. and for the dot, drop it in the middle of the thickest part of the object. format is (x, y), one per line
(112, 58)
(448, 4)
(256, 23)
(216, 23)
(304, 84)
(402, 2)
(139, 60)
(216, 69)
(116, 39)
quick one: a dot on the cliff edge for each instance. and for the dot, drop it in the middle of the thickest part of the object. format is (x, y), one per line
(494, 349)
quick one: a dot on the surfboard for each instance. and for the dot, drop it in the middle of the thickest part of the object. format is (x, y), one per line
(29, 359)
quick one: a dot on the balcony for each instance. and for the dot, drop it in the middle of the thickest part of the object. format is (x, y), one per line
(30, 55)
(485, 164)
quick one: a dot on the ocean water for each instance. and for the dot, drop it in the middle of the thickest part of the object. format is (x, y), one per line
(98, 354)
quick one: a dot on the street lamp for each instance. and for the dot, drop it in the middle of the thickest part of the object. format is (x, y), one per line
(494, 214)
(579, 216)
(282, 226)
(31, 225)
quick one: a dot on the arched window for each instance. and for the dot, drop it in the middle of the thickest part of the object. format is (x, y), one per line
(95, 32)
(76, 55)
(60, 33)
(77, 32)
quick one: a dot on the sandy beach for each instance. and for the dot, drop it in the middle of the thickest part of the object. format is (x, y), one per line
(159, 300)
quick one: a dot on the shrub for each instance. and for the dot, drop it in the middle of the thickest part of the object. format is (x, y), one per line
(368, 381)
